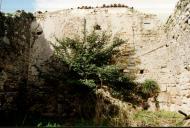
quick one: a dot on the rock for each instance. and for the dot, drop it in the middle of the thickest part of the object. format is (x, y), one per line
(6, 40)
(163, 97)
(163, 87)
(186, 123)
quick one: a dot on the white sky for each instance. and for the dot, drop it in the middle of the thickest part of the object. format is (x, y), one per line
(162, 8)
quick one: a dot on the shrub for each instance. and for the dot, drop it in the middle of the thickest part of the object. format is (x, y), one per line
(86, 66)
(115, 5)
(97, 27)
(150, 88)
(119, 5)
(89, 62)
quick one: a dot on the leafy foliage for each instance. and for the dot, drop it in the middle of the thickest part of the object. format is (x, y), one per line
(150, 88)
(79, 67)
(90, 62)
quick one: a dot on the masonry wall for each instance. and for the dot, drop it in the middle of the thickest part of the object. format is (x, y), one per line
(168, 62)
(162, 48)
(15, 42)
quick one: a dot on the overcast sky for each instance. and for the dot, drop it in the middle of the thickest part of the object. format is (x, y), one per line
(161, 7)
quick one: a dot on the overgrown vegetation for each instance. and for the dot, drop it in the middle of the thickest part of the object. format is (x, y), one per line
(90, 63)
(149, 88)
(81, 67)
(157, 119)
(75, 72)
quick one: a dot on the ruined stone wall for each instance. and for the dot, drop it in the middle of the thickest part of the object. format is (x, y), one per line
(15, 42)
(168, 62)
(162, 48)
(126, 23)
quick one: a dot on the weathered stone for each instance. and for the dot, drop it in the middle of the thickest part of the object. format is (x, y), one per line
(174, 91)
(164, 97)
(173, 107)
(178, 101)
(161, 60)
(163, 87)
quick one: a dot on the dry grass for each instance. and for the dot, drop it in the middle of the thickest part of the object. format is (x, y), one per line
(157, 119)
(114, 112)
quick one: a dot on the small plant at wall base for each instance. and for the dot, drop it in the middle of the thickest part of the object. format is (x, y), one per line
(150, 88)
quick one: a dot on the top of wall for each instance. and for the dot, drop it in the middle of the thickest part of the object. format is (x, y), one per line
(93, 11)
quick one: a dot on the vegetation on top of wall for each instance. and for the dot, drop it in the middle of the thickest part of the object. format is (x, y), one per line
(105, 6)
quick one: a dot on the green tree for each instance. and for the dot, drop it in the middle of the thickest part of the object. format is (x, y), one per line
(90, 62)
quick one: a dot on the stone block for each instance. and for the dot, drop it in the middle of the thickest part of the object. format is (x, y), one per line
(185, 100)
(185, 86)
(152, 104)
(164, 97)
(185, 108)
(163, 87)
(173, 100)
(185, 93)
(164, 106)
(178, 101)
(173, 91)
(174, 107)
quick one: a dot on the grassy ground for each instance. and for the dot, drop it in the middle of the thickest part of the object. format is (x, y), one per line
(158, 118)
(138, 119)
(126, 115)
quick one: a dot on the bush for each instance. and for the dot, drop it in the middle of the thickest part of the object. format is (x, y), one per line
(83, 59)
(87, 65)
(90, 63)
(150, 88)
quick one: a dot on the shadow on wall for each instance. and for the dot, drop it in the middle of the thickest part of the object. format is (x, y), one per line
(27, 96)
(22, 44)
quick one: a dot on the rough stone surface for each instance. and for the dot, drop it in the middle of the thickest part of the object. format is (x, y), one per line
(163, 48)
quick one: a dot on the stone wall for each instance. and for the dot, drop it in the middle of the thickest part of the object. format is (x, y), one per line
(168, 62)
(126, 23)
(15, 41)
(20, 92)
(162, 48)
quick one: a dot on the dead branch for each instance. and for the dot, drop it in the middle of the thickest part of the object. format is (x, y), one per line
(183, 113)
